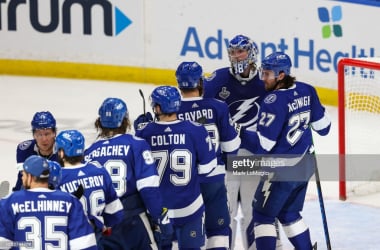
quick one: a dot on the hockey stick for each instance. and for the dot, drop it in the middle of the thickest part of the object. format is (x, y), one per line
(142, 95)
(4, 189)
(322, 205)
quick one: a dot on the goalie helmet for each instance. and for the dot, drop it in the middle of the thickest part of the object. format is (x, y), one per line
(277, 62)
(241, 42)
(55, 174)
(167, 97)
(43, 120)
(188, 75)
(112, 112)
(71, 141)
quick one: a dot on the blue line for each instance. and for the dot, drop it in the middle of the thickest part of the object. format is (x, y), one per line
(362, 2)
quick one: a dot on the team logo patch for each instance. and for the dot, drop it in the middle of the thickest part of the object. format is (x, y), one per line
(193, 234)
(271, 98)
(221, 221)
(24, 145)
(224, 93)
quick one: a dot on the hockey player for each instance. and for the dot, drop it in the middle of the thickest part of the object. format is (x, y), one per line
(287, 116)
(44, 131)
(129, 161)
(241, 88)
(183, 152)
(213, 114)
(40, 218)
(103, 207)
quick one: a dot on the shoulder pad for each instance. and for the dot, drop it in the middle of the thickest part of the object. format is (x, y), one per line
(271, 98)
(141, 126)
(137, 138)
(211, 76)
(25, 144)
(95, 164)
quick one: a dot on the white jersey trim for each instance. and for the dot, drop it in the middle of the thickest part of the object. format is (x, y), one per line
(83, 242)
(218, 241)
(232, 145)
(295, 228)
(20, 166)
(207, 168)
(151, 181)
(219, 170)
(186, 211)
(266, 143)
(265, 230)
(322, 123)
(113, 207)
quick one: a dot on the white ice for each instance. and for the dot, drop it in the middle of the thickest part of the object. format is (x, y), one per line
(353, 224)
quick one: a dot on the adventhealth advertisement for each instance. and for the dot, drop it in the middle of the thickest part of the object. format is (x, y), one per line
(160, 34)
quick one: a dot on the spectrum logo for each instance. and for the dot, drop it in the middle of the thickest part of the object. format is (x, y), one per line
(330, 18)
(113, 22)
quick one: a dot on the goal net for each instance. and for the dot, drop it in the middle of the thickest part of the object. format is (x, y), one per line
(359, 123)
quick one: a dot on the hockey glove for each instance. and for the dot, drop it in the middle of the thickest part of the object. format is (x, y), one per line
(163, 229)
(142, 119)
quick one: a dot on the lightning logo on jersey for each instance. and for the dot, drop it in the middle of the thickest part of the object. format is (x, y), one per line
(266, 187)
(245, 115)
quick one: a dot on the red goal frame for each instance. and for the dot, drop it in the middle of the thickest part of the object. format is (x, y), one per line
(360, 63)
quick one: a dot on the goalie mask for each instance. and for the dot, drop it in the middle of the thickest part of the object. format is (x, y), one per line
(242, 53)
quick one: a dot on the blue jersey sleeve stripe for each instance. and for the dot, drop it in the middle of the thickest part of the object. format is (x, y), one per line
(151, 181)
(208, 167)
(188, 210)
(83, 242)
(322, 123)
(266, 143)
(230, 146)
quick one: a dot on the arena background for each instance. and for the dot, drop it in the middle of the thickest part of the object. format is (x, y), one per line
(143, 41)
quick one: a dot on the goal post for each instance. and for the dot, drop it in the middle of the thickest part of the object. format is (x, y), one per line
(358, 113)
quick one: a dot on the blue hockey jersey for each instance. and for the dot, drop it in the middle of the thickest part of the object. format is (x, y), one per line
(100, 200)
(214, 115)
(243, 99)
(129, 161)
(286, 120)
(41, 218)
(183, 152)
(24, 150)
